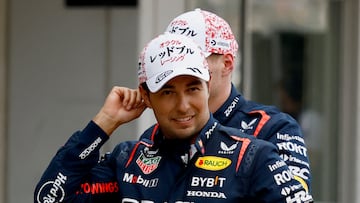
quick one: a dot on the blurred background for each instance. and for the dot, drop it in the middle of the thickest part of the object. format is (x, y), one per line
(59, 59)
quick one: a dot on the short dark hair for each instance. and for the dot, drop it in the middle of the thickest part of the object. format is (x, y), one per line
(145, 87)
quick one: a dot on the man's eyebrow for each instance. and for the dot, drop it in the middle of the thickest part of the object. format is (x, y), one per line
(195, 82)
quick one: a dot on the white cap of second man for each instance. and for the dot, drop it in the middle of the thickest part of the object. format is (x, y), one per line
(210, 31)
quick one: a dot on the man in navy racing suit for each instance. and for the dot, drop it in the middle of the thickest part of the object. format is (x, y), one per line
(189, 156)
(230, 108)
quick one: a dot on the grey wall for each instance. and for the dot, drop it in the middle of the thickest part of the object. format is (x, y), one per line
(62, 63)
(2, 98)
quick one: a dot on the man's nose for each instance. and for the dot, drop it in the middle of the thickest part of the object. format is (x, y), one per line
(183, 103)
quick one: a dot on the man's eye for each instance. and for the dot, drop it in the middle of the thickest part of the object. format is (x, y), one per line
(194, 89)
(166, 92)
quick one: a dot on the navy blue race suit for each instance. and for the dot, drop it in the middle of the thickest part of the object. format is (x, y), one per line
(268, 123)
(223, 165)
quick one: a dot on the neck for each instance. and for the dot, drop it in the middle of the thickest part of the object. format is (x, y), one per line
(217, 99)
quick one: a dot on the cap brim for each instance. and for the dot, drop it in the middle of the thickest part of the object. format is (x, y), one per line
(207, 54)
(159, 80)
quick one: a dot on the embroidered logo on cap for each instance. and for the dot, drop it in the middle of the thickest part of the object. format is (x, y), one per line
(163, 75)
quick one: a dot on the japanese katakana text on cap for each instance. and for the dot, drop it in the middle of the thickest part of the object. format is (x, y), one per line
(170, 55)
(210, 31)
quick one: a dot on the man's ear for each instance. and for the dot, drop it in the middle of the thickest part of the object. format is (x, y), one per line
(228, 60)
(208, 87)
(145, 95)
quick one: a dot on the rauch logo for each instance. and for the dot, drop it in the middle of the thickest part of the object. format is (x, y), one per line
(212, 163)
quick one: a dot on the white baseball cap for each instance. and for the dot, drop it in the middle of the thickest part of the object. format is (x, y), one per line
(170, 55)
(210, 31)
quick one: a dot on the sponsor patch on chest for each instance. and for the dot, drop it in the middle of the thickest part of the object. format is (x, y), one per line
(212, 163)
(148, 164)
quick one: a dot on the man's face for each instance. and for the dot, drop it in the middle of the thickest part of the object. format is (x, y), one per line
(180, 106)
